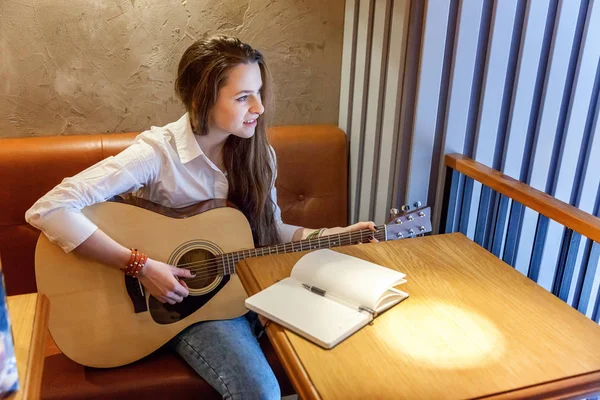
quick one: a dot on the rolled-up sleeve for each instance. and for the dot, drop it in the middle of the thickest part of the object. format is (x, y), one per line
(58, 213)
(286, 231)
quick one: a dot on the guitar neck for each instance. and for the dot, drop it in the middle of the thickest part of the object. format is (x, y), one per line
(229, 260)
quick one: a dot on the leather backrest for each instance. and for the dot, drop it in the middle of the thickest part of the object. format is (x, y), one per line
(311, 184)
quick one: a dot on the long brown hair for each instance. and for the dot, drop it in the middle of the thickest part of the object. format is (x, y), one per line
(203, 70)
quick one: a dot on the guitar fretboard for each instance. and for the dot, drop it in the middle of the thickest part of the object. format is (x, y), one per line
(226, 262)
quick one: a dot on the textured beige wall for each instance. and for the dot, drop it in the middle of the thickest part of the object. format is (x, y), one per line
(83, 66)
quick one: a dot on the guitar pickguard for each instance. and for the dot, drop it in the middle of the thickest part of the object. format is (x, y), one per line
(165, 314)
(136, 293)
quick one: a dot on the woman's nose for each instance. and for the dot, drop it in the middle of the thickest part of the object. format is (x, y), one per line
(257, 107)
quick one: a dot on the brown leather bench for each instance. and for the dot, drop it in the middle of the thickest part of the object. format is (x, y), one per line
(312, 192)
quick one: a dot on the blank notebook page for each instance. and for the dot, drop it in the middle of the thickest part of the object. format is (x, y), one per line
(315, 317)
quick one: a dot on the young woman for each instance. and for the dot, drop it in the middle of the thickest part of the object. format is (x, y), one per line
(218, 149)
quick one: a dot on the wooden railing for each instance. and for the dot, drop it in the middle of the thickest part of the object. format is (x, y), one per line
(559, 211)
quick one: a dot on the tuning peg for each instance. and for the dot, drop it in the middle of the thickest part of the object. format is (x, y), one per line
(400, 235)
(405, 207)
(417, 204)
(411, 231)
(394, 211)
(398, 221)
(421, 214)
(422, 228)
(410, 218)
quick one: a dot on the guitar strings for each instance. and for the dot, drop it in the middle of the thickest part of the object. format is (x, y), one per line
(217, 267)
(212, 271)
(232, 256)
(208, 268)
(378, 235)
(211, 267)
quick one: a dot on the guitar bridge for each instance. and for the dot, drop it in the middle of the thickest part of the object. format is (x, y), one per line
(135, 290)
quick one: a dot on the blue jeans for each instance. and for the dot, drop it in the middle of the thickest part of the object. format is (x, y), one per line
(227, 355)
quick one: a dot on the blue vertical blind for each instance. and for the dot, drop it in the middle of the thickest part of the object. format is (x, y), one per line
(513, 84)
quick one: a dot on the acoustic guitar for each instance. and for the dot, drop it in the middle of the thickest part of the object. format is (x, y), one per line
(101, 318)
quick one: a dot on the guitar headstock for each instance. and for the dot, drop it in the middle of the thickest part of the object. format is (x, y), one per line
(408, 223)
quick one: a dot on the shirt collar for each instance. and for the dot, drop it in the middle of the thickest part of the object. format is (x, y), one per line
(187, 146)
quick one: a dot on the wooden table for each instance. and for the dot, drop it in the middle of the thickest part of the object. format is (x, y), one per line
(29, 318)
(472, 327)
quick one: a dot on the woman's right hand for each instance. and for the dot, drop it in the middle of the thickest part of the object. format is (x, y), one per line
(163, 281)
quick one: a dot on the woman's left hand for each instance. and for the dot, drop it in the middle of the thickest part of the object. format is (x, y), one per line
(351, 228)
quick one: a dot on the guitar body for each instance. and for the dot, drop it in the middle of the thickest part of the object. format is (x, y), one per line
(92, 317)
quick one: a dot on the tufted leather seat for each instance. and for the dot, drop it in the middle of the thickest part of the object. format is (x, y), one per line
(312, 192)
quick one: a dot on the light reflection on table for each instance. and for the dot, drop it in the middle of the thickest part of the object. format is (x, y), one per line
(448, 336)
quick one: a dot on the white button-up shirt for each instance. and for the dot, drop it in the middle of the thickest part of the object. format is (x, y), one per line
(164, 165)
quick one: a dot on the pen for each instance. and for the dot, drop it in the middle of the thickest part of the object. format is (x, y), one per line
(314, 289)
(323, 293)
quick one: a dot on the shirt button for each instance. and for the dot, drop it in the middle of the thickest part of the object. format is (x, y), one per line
(300, 197)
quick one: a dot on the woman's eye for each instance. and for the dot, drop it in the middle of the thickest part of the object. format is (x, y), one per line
(243, 98)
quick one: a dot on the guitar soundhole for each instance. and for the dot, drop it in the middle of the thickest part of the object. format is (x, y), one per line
(203, 264)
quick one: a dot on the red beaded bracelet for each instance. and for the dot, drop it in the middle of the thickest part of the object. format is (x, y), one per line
(136, 263)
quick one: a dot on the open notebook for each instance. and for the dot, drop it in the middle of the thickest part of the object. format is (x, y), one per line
(329, 296)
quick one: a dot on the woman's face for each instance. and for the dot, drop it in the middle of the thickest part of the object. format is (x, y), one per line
(238, 104)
